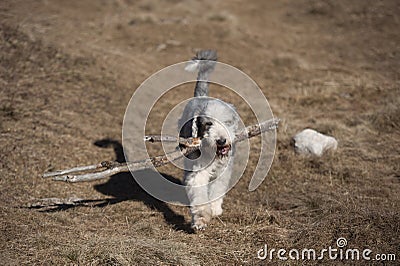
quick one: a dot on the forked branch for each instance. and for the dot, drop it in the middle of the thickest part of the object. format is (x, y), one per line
(109, 168)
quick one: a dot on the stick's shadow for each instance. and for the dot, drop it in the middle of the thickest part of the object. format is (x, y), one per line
(123, 187)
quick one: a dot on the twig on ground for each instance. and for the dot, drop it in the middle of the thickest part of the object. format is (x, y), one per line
(55, 202)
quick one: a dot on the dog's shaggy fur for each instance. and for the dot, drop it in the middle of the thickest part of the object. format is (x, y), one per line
(207, 171)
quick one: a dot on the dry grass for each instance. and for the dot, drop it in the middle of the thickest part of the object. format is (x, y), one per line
(66, 74)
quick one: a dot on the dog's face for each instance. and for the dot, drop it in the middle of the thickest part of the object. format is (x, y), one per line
(217, 127)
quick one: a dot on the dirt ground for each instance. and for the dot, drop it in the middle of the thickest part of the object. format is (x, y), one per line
(69, 68)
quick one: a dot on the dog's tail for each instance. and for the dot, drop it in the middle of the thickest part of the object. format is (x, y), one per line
(204, 62)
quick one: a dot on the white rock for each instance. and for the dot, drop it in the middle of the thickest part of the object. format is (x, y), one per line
(312, 142)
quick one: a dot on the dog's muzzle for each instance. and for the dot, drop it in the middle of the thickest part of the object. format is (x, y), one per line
(222, 148)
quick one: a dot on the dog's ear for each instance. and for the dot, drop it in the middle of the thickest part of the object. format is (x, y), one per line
(188, 129)
(200, 125)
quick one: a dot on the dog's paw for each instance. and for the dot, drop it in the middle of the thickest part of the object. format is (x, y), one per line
(216, 209)
(201, 216)
(199, 225)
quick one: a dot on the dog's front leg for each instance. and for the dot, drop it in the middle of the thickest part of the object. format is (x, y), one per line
(197, 191)
(219, 187)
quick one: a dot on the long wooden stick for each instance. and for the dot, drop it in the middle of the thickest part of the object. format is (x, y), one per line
(109, 168)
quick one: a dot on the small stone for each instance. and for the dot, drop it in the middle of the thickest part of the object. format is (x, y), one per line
(312, 142)
(173, 42)
(161, 47)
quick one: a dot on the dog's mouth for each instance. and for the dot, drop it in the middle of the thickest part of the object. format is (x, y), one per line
(223, 150)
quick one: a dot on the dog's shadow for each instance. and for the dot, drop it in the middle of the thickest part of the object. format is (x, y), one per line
(122, 187)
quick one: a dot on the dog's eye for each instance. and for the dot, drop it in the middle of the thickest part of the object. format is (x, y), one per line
(209, 123)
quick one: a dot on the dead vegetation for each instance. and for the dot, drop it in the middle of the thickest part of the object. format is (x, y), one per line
(68, 69)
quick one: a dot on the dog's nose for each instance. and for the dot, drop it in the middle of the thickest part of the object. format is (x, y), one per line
(221, 141)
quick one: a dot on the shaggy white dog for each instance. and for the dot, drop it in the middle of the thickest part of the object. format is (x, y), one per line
(207, 171)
